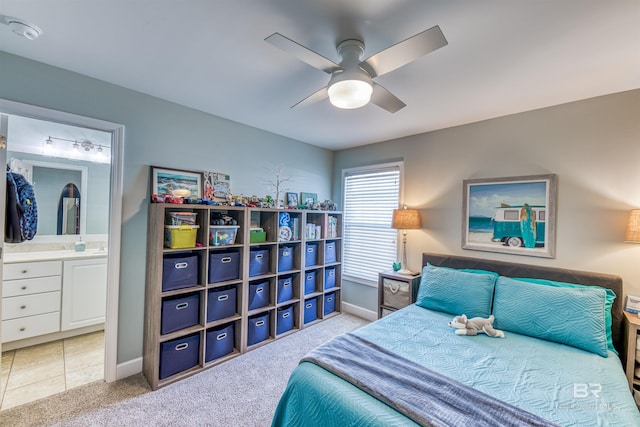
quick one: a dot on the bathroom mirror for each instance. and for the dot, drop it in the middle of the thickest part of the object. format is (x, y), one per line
(51, 182)
(69, 210)
(50, 167)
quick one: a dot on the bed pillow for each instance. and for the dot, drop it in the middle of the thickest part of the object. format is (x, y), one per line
(571, 316)
(456, 291)
(610, 296)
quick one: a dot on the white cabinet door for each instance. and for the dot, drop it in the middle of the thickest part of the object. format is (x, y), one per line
(84, 293)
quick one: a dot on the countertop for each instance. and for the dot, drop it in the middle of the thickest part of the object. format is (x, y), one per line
(53, 255)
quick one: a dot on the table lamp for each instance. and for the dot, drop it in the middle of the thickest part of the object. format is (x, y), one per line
(405, 219)
(633, 227)
(633, 236)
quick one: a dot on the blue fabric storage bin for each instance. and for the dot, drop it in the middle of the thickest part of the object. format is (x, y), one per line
(258, 294)
(258, 328)
(330, 252)
(224, 266)
(284, 319)
(285, 258)
(310, 310)
(179, 355)
(179, 313)
(219, 342)
(330, 278)
(258, 262)
(311, 254)
(329, 303)
(309, 282)
(179, 271)
(221, 303)
(285, 289)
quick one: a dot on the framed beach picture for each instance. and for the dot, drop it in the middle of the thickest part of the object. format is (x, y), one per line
(179, 183)
(514, 215)
(308, 198)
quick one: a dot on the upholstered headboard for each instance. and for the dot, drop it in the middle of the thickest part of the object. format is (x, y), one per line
(558, 274)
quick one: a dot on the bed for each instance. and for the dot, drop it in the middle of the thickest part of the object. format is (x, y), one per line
(534, 374)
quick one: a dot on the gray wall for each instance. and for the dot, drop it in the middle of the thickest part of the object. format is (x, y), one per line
(593, 146)
(161, 133)
(49, 183)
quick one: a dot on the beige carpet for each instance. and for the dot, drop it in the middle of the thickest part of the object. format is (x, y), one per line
(243, 391)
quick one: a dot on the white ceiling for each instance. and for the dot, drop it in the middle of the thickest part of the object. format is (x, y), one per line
(502, 57)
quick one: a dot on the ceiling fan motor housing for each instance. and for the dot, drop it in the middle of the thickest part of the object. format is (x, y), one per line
(350, 87)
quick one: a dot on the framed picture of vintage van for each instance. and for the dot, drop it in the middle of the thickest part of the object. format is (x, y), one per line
(515, 215)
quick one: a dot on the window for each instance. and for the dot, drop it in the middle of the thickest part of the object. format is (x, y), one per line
(370, 244)
(512, 215)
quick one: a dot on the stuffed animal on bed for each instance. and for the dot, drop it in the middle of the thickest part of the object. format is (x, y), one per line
(475, 326)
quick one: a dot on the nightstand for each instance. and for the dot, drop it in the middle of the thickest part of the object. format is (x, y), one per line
(631, 327)
(396, 291)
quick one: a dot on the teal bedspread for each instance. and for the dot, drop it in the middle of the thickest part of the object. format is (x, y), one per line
(562, 384)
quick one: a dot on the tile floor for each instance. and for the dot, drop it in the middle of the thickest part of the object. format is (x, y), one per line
(39, 371)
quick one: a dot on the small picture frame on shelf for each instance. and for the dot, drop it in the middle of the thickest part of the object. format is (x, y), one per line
(308, 199)
(217, 186)
(292, 199)
(176, 182)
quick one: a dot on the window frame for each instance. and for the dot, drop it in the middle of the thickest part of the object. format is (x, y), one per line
(368, 169)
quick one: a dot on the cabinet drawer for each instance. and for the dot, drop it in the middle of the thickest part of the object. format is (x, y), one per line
(396, 294)
(27, 327)
(13, 288)
(25, 270)
(29, 305)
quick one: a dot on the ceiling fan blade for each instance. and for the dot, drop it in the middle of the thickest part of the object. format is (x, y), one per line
(316, 96)
(385, 99)
(303, 53)
(404, 52)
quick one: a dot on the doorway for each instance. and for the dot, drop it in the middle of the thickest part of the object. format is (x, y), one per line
(98, 229)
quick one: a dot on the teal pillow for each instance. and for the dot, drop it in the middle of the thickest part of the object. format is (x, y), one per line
(455, 291)
(571, 316)
(610, 296)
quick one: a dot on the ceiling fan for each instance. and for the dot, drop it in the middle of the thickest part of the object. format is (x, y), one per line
(351, 84)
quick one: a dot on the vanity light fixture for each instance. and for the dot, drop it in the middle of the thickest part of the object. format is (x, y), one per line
(48, 147)
(77, 147)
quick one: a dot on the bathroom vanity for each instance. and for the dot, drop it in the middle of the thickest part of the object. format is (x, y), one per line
(52, 295)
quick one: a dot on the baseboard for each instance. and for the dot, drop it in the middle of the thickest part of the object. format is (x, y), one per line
(55, 336)
(356, 310)
(134, 366)
(126, 369)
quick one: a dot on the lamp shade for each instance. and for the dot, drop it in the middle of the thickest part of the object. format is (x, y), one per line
(633, 227)
(406, 219)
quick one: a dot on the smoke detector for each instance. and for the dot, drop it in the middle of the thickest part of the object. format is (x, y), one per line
(21, 28)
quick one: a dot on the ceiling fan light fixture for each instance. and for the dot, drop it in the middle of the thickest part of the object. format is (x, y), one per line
(350, 94)
(350, 89)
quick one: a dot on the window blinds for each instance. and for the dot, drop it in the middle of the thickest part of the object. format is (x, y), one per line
(370, 244)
